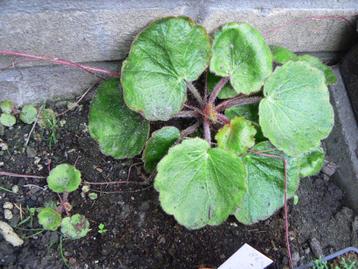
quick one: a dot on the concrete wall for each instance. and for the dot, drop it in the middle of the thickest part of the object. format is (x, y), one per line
(101, 31)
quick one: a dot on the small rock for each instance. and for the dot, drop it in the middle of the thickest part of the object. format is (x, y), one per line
(15, 189)
(9, 235)
(85, 188)
(144, 206)
(8, 214)
(30, 152)
(8, 205)
(3, 146)
(316, 247)
(1, 164)
(295, 258)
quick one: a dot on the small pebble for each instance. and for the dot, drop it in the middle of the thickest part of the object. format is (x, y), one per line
(8, 205)
(15, 189)
(30, 152)
(1, 164)
(8, 214)
(316, 247)
(295, 258)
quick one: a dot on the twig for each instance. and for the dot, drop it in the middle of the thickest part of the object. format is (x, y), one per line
(114, 182)
(33, 127)
(217, 89)
(127, 191)
(9, 174)
(207, 132)
(206, 90)
(130, 169)
(237, 101)
(55, 60)
(195, 93)
(286, 213)
(81, 97)
(223, 118)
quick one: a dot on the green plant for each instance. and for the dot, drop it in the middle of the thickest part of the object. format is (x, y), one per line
(48, 121)
(7, 106)
(102, 228)
(6, 117)
(64, 179)
(28, 114)
(320, 264)
(75, 227)
(269, 123)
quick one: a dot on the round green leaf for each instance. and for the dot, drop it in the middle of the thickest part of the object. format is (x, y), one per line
(200, 185)
(316, 62)
(28, 114)
(158, 145)
(265, 193)
(7, 120)
(311, 163)
(64, 178)
(169, 52)
(75, 227)
(241, 53)
(49, 218)
(282, 55)
(237, 136)
(120, 132)
(6, 106)
(296, 114)
(226, 92)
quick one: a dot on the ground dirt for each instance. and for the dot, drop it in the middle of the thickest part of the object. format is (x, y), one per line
(139, 234)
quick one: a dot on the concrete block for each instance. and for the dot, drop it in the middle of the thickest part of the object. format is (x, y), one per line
(342, 144)
(86, 31)
(41, 83)
(299, 25)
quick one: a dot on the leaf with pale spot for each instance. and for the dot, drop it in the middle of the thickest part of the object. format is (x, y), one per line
(200, 185)
(312, 162)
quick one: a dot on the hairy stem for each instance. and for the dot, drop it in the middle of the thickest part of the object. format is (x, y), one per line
(55, 60)
(194, 91)
(223, 118)
(207, 132)
(187, 114)
(285, 208)
(237, 101)
(191, 129)
(217, 89)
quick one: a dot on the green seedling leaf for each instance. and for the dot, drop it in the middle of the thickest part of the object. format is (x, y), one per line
(237, 136)
(311, 163)
(167, 54)
(47, 119)
(200, 185)
(7, 120)
(75, 227)
(265, 193)
(316, 62)
(102, 228)
(49, 218)
(93, 196)
(226, 92)
(28, 114)
(64, 178)
(296, 199)
(241, 53)
(282, 55)
(6, 106)
(158, 145)
(120, 132)
(296, 114)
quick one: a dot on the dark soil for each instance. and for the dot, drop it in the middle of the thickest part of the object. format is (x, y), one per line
(140, 234)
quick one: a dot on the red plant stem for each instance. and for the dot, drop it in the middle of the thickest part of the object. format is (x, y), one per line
(206, 86)
(286, 214)
(223, 118)
(54, 60)
(207, 132)
(194, 91)
(191, 129)
(8, 174)
(237, 101)
(187, 114)
(218, 87)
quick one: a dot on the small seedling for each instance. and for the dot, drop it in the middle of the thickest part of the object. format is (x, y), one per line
(7, 106)
(75, 227)
(48, 120)
(93, 196)
(7, 120)
(102, 228)
(50, 219)
(28, 114)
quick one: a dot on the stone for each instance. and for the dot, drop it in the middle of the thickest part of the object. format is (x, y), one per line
(295, 258)
(342, 143)
(8, 205)
(355, 232)
(15, 188)
(349, 70)
(30, 152)
(316, 248)
(8, 214)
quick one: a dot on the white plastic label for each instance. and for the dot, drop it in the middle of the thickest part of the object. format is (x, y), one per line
(246, 258)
